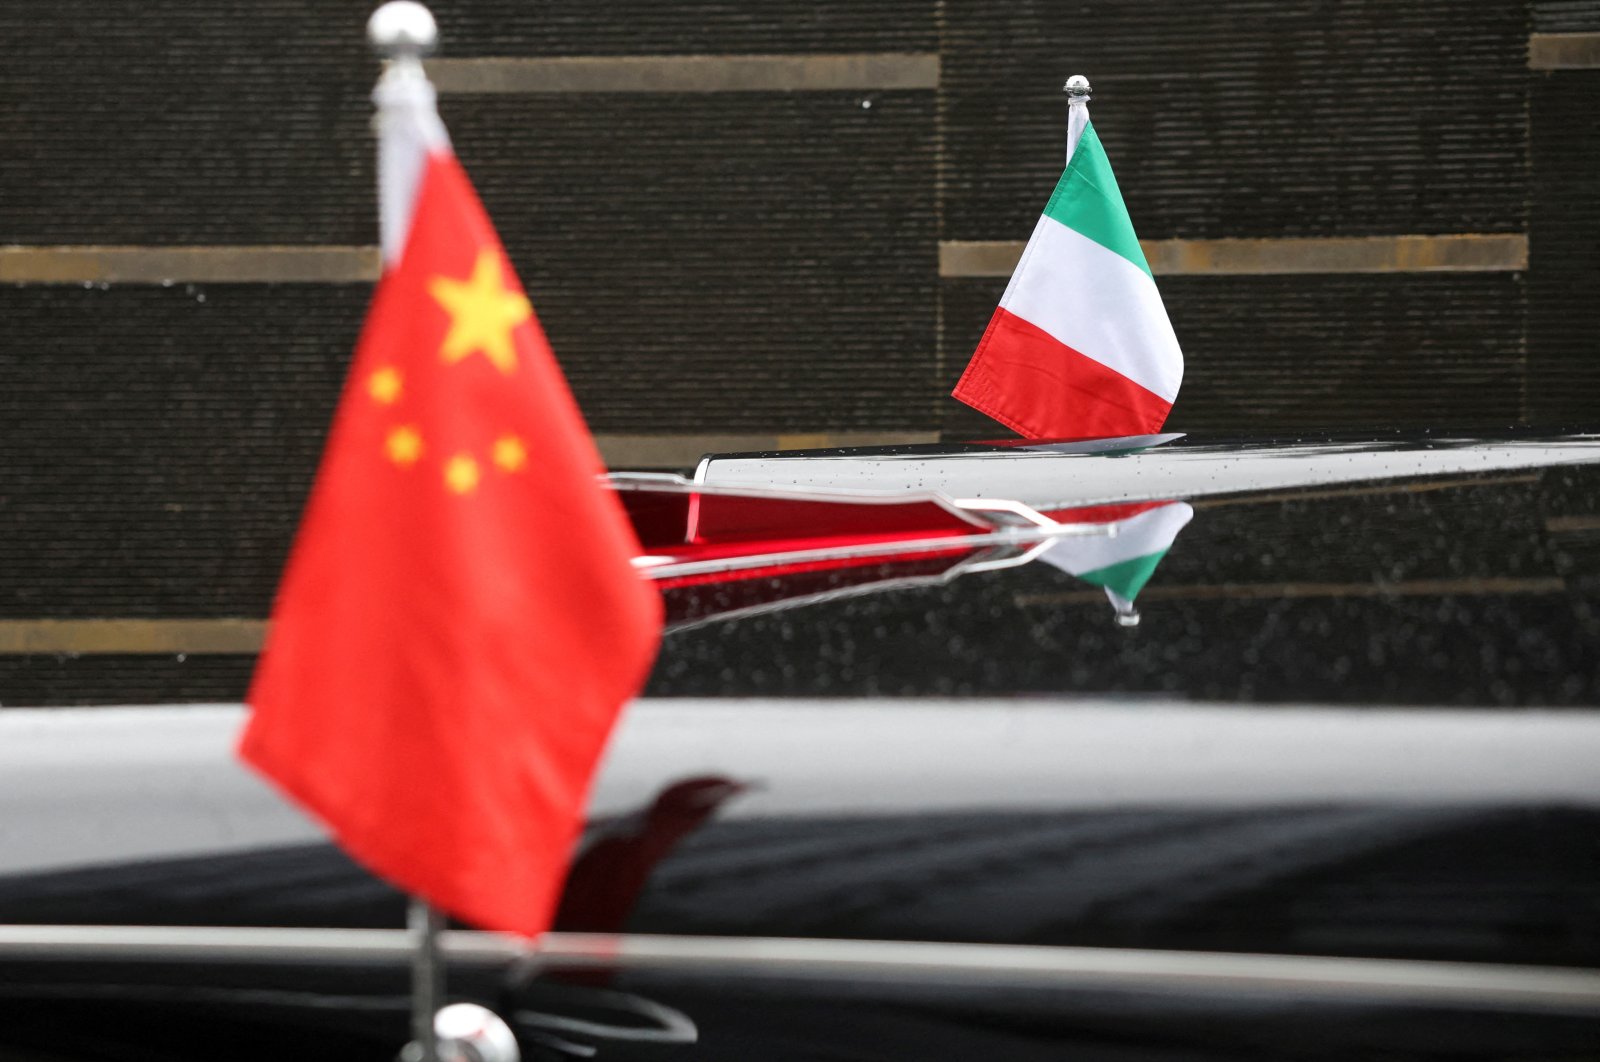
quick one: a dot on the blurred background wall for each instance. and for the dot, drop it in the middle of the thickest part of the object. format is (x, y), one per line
(744, 225)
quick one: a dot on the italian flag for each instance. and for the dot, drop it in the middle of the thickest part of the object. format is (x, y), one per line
(1080, 346)
(1122, 561)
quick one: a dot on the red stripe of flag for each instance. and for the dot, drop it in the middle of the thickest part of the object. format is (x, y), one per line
(1035, 384)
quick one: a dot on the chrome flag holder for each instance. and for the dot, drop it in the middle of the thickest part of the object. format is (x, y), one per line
(1078, 96)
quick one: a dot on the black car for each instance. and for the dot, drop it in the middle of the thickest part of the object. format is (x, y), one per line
(947, 754)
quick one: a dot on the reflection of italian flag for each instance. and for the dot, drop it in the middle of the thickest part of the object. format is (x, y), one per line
(1080, 345)
(1124, 562)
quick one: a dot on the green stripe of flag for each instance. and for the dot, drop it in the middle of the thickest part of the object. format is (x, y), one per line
(1127, 577)
(1088, 201)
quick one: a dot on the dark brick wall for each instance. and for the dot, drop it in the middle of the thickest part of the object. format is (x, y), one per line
(651, 27)
(727, 261)
(1566, 16)
(170, 122)
(1564, 230)
(67, 679)
(1564, 245)
(164, 121)
(758, 262)
(159, 441)
(1245, 117)
(749, 261)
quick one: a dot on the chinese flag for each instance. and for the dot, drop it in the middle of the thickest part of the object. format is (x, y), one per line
(459, 624)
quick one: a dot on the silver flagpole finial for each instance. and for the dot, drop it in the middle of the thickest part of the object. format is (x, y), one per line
(402, 29)
(407, 122)
(1077, 90)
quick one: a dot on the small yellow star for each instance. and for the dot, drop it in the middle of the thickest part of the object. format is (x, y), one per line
(384, 385)
(509, 453)
(483, 313)
(461, 474)
(404, 445)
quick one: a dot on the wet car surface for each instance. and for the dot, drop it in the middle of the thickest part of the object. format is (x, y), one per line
(1466, 590)
(1354, 722)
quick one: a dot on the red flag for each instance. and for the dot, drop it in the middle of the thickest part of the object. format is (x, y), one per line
(459, 624)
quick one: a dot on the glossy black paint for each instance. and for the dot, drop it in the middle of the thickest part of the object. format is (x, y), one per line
(1466, 884)
(297, 1014)
(1471, 884)
(876, 1022)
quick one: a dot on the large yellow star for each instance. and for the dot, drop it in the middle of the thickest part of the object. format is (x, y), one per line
(483, 313)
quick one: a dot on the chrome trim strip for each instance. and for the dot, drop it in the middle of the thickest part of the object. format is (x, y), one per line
(1006, 537)
(1069, 480)
(1397, 981)
(1387, 980)
(231, 944)
(1026, 554)
(1025, 515)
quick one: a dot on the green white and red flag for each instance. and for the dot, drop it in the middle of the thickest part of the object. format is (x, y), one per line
(1121, 561)
(1080, 345)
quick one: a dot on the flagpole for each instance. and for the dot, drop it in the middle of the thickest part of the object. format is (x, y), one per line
(401, 33)
(1126, 614)
(1078, 96)
(427, 978)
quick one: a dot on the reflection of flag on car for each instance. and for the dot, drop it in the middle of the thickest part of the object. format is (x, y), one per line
(753, 549)
(1123, 562)
(459, 623)
(1080, 345)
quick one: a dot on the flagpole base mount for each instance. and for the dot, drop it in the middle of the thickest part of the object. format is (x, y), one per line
(466, 1032)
